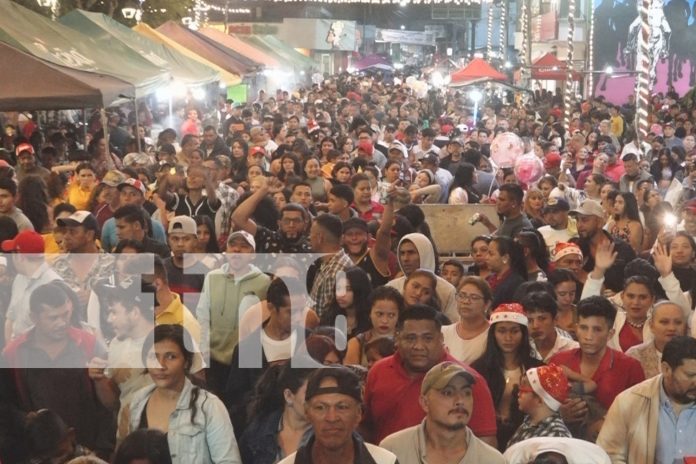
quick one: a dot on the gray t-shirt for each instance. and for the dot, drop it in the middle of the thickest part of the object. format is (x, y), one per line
(510, 227)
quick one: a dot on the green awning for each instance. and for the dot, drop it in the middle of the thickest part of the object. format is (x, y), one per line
(103, 28)
(49, 40)
(277, 47)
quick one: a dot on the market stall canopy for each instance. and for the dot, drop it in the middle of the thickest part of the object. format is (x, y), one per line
(280, 49)
(33, 84)
(549, 68)
(477, 69)
(103, 28)
(59, 44)
(251, 52)
(144, 30)
(375, 62)
(223, 56)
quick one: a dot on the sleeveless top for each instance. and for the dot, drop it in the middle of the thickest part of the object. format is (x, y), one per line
(376, 277)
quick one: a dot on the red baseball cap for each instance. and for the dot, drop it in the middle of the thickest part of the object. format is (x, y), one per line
(24, 147)
(27, 241)
(255, 150)
(135, 183)
(552, 160)
(367, 147)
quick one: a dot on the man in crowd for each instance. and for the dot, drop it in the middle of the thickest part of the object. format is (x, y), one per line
(227, 293)
(559, 227)
(32, 272)
(655, 420)
(333, 402)
(443, 436)
(325, 238)
(290, 236)
(8, 194)
(27, 164)
(184, 276)
(132, 224)
(509, 206)
(131, 192)
(611, 370)
(545, 338)
(396, 380)
(633, 173)
(212, 144)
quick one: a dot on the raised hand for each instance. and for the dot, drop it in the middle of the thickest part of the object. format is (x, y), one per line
(605, 257)
(663, 260)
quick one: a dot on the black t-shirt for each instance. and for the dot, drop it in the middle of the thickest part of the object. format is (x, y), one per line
(187, 285)
(183, 206)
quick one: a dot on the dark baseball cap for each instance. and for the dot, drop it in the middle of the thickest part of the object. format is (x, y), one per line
(556, 204)
(355, 223)
(347, 383)
(79, 218)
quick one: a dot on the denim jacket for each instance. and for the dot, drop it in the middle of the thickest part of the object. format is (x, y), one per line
(208, 440)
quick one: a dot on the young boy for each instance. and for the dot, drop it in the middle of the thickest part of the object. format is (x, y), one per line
(453, 271)
(542, 391)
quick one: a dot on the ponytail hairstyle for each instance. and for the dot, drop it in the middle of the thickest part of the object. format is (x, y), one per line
(269, 393)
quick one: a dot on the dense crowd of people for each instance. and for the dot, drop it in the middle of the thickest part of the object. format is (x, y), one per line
(259, 284)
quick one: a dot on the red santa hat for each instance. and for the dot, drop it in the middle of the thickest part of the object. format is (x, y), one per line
(564, 249)
(509, 312)
(550, 383)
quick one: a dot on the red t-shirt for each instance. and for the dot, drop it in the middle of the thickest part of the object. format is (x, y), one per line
(627, 338)
(369, 215)
(391, 400)
(616, 372)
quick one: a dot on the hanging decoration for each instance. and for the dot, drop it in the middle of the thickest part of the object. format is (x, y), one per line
(503, 30)
(569, 91)
(643, 81)
(489, 36)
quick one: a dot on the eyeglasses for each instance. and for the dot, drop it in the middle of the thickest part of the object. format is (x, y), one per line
(469, 296)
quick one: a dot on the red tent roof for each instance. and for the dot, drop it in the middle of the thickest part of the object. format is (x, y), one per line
(477, 68)
(549, 68)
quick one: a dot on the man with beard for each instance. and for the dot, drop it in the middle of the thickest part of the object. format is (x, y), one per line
(292, 225)
(662, 408)
(443, 436)
(374, 260)
(590, 222)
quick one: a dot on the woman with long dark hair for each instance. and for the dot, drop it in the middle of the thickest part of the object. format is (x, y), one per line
(506, 262)
(462, 191)
(196, 422)
(626, 223)
(290, 168)
(479, 253)
(240, 152)
(536, 254)
(207, 240)
(665, 168)
(277, 419)
(351, 301)
(503, 364)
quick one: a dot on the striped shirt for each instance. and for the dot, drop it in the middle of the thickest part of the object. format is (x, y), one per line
(552, 426)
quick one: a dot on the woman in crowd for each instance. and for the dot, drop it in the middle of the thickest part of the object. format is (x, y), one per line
(479, 253)
(277, 420)
(682, 250)
(546, 184)
(666, 322)
(425, 189)
(341, 173)
(386, 304)
(346, 145)
(196, 422)
(505, 360)
(533, 204)
(466, 339)
(420, 288)
(290, 168)
(312, 175)
(207, 241)
(536, 254)
(626, 221)
(566, 286)
(392, 173)
(664, 169)
(506, 262)
(581, 162)
(462, 190)
(351, 301)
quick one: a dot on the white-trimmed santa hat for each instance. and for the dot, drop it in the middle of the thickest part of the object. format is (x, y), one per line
(550, 383)
(509, 312)
(564, 249)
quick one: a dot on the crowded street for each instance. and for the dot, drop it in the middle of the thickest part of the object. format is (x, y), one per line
(226, 242)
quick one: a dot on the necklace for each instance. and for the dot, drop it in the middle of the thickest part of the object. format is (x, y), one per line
(635, 325)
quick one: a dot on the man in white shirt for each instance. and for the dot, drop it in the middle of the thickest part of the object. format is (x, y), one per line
(545, 338)
(559, 228)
